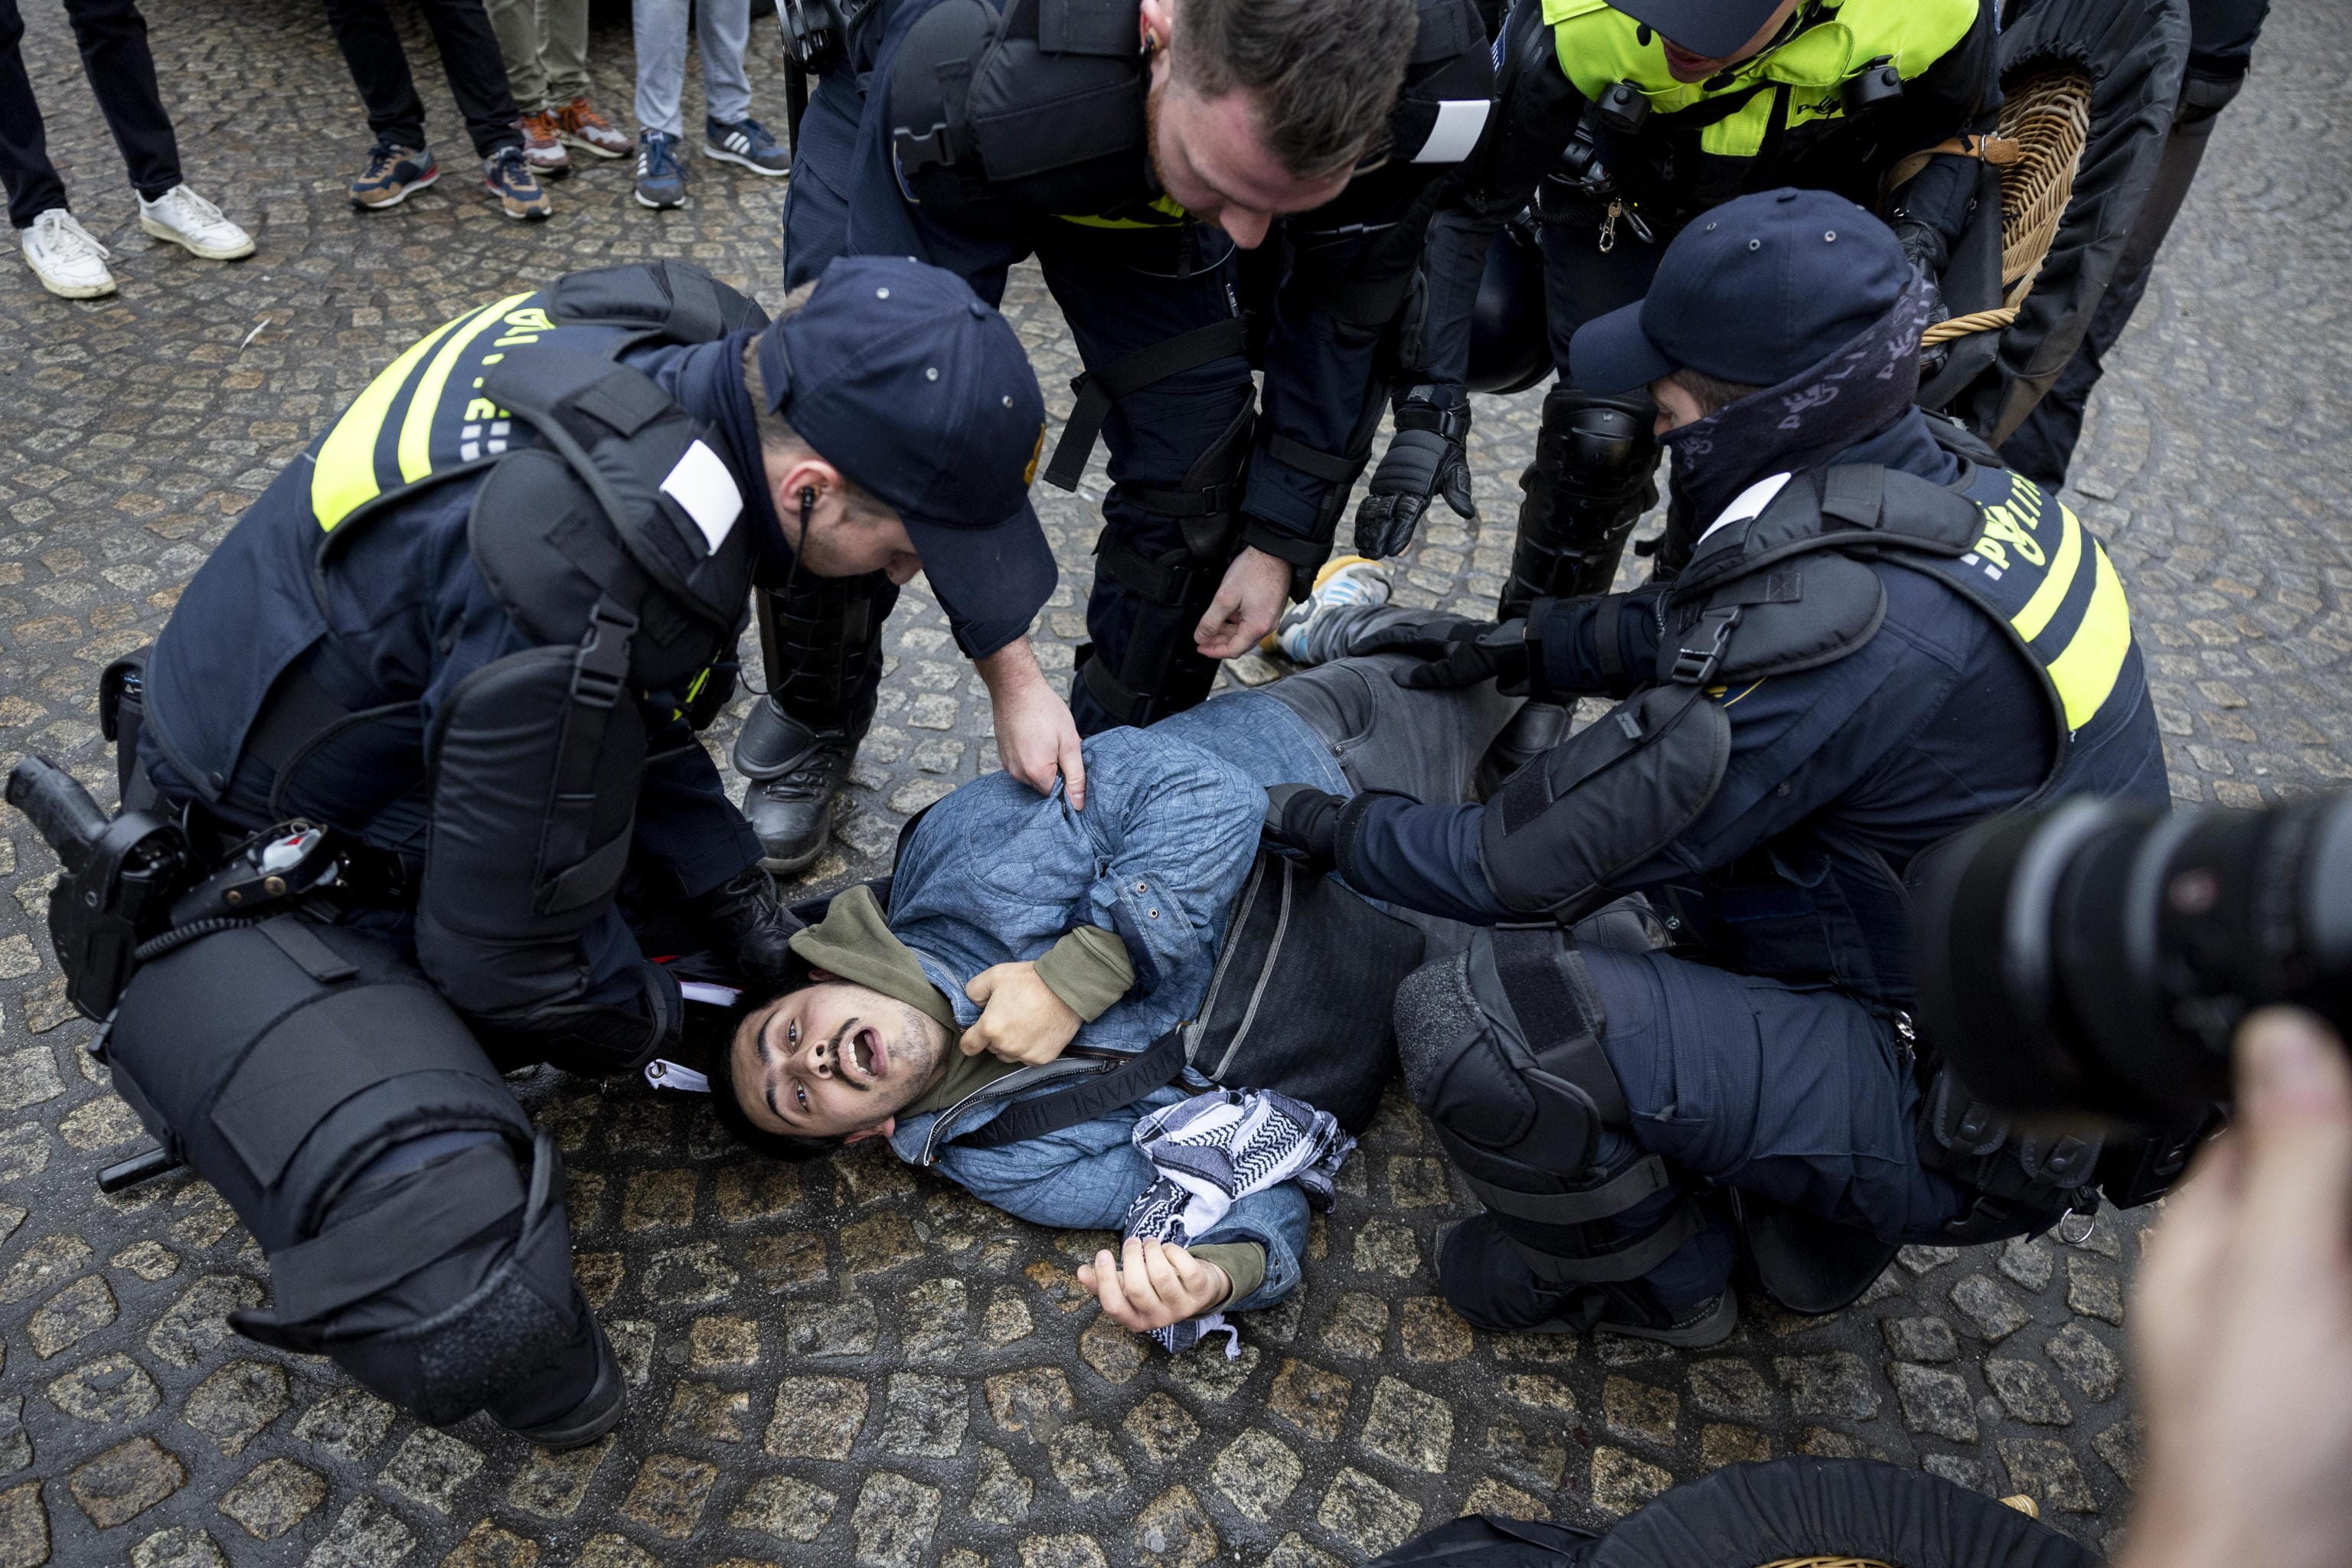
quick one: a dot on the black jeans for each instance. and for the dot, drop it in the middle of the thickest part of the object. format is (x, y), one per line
(113, 39)
(470, 54)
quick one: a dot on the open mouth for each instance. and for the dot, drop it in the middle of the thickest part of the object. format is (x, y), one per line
(864, 1057)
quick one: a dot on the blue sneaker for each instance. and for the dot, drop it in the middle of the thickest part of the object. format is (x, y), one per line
(660, 182)
(1346, 582)
(747, 143)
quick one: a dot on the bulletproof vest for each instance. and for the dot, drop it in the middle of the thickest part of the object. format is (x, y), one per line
(1792, 589)
(1762, 108)
(999, 117)
(601, 519)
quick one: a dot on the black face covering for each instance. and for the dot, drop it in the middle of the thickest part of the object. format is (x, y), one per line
(1838, 402)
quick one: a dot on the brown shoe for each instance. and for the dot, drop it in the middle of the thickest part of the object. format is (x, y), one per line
(578, 123)
(542, 147)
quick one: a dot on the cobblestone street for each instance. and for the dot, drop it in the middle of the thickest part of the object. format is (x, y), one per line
(846, 1363)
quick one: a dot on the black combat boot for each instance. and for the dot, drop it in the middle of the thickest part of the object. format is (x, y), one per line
(1589, 484)
(821, 642)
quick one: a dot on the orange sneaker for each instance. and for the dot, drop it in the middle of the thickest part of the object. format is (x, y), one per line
(542, 148)
(578, 123)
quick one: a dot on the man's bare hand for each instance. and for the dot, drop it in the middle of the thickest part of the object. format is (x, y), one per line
(1021, 1019)
(1153, 1284)
(2243, 1322)
(1248, 602)
(1035, 736)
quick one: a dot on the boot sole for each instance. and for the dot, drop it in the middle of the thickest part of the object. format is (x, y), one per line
(659, 207)
(740, 162)
(206, 252)
(1711, 1329)
(406, 192)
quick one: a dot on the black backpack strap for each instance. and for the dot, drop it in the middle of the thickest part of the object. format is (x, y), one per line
(1154, 1067)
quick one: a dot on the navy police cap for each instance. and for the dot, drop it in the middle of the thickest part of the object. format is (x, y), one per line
(1752, 291)
(896, 374)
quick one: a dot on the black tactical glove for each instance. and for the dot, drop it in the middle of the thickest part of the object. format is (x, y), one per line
(1458, 652)
(1425, 460)
(1928, 254)
(747, 923)
(1302, 821)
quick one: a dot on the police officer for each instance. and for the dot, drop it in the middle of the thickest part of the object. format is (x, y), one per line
(1142, 149)
(2221, 38)
(1880, 638)
(1623, 122)
(470, 634)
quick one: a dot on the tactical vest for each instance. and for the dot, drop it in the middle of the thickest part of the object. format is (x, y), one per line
(1000, 118)
(1791, 589)
(1763, 108)
(603, 522)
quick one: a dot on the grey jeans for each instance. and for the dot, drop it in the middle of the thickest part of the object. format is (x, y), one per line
(723, 28)
(545, 45)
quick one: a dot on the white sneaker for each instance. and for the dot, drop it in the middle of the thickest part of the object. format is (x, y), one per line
(189, 221)
(1345, 582)
(66, 258)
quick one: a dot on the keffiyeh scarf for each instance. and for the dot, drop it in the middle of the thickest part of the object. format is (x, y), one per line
(1215, 1149)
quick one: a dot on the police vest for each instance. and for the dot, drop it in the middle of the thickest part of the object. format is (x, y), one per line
(1792, 589)
(603, 521)
(1766, 106)
(1001, 117)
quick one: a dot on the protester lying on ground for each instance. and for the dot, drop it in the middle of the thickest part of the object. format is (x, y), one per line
(1023, 947)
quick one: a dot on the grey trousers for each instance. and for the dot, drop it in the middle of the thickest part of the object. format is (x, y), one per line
(723, 28)
(545, 45)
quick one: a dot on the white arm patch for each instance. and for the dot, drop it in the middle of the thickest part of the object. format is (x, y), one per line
(701, 484)
(1459, 120)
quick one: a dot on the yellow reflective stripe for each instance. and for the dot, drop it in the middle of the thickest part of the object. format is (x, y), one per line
(416, 426)
(2031, 620)
(2085, 672)
(342, 477)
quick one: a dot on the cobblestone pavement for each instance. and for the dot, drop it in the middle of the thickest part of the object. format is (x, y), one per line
(847, 1363)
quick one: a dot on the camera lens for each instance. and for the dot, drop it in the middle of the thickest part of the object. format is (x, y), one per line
(2094, 961)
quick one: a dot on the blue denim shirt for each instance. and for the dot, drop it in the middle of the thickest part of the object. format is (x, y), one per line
(997, 873)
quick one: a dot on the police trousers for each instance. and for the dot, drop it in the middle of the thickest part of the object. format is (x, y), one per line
(1121, 290)
(413, 1221)
(1795, 1095)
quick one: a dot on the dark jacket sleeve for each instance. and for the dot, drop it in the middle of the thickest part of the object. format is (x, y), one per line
(1799, 743)
(1960, 95)
(1348, 268)
(1536, 115)
(515, 920)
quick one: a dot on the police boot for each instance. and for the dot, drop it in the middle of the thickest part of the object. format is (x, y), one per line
(1492, 1284)
(821, 641)
(797, 773)
(1589, 484)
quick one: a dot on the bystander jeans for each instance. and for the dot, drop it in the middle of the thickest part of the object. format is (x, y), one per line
(723, 28)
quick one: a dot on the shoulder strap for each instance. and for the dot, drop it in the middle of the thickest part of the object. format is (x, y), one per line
(1154, 1067)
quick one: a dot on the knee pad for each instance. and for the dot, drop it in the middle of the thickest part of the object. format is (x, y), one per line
(1512, 1073)
(1588, 485)
(468, 1316)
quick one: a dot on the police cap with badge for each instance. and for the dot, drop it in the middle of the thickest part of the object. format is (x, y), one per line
(897, 374)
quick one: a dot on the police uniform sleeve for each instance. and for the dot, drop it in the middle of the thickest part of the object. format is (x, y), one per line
(1535, 118)
(1798, 744)
(541, 965)
(1350, 267)
(686, 824)
(1960, 95)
